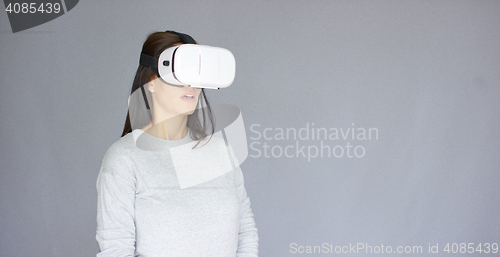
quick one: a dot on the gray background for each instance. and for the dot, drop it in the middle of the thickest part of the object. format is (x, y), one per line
(425, 73)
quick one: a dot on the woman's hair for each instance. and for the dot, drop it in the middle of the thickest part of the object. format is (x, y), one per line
(201, 120)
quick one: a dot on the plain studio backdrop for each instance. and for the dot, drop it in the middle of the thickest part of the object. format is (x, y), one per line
(423, 75)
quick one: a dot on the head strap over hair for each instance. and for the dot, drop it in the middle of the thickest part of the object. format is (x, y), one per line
(152, 62)
(185, 37)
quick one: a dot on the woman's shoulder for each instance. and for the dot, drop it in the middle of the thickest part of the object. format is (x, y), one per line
(121, 148)
(118, 162)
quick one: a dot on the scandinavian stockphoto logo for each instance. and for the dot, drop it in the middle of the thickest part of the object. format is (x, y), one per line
(26, 15)
(310, 141)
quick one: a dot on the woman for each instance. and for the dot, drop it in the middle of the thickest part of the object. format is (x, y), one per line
(143, 207)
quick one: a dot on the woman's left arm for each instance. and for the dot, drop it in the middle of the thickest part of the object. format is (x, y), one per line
(248, 239)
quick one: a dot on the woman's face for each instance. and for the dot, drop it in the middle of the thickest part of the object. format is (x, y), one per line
(172, 101)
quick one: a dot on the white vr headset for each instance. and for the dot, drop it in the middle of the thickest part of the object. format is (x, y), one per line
(191, 64)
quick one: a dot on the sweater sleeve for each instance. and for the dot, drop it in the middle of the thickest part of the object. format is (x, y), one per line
(248, 239)
(116, 185)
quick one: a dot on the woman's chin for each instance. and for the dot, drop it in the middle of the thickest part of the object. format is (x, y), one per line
(188, 112)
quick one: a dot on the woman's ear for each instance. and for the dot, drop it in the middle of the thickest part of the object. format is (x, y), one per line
(151, 83)
(151, 87)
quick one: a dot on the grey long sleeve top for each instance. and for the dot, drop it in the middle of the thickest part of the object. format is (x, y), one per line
(143, 211)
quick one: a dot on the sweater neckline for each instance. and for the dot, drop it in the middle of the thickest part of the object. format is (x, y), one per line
(145, 141)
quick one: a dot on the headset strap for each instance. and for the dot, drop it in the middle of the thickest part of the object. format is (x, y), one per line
(185, 37)
(148, 61)
(152, 62)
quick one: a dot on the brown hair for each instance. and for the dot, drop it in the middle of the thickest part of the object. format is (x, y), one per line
(154, 43)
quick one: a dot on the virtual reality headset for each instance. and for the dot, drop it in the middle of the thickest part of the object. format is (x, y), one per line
(191, 64)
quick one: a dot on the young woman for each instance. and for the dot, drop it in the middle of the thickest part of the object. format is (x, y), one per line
(143, 208)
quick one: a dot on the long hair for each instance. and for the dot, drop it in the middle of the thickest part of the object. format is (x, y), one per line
(201, 121)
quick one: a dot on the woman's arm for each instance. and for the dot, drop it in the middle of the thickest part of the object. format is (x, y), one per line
(116, 185)
(248, 239)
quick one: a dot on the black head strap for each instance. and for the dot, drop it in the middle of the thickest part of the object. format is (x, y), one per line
(149, 61)
(185, 37)
(152, 62)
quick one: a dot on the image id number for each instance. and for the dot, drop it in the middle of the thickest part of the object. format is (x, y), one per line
(471, 248)
(33, 8)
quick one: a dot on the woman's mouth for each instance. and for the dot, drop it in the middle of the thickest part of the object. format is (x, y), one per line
(188, 98)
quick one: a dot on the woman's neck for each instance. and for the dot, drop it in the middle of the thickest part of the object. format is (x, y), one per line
(171, 129)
